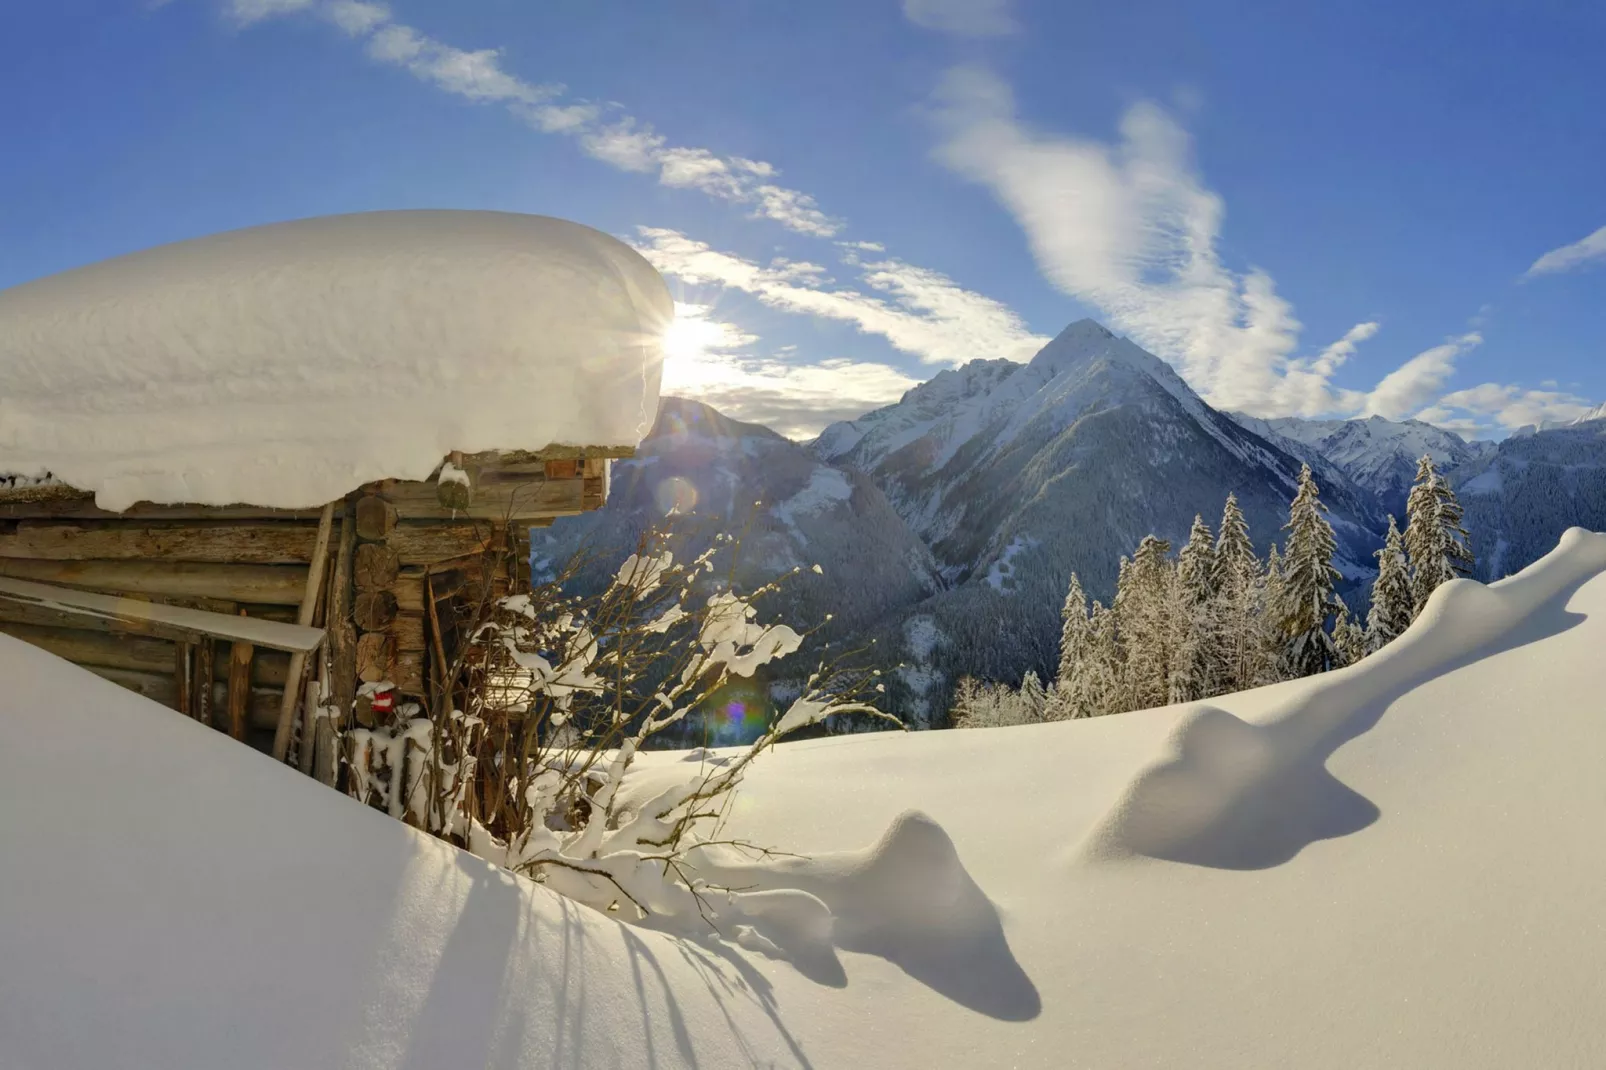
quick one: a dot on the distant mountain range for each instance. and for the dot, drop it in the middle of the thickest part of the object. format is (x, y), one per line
(948, 524)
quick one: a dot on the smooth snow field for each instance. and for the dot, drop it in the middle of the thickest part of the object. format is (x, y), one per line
(1394, 865)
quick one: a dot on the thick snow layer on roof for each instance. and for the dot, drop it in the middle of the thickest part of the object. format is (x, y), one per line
(284, 365)
(1397, 864)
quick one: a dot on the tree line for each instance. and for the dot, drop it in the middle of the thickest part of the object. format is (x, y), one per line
(1215, 618)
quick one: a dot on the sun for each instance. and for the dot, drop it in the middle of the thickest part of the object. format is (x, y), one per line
(691, 334)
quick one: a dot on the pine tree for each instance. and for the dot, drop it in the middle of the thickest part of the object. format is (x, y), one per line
(1074, 637)
(1098, 683)
(1235, 652)
(1308, 597)
(1143, 609)
(1033, 699)
(1435, 542)
(1393, 604)
(1270, 665)
(1348, 637)
(1193, 617)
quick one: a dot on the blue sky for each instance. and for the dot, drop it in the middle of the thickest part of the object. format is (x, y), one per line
(1308, 209)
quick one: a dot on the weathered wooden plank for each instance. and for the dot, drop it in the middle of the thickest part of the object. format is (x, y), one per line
(311, 592)
(239, 684)
(409, 631)
(198, 541)
(135, 652)
(493, 500)
(275, 584)
(262, 709)
(153, 618)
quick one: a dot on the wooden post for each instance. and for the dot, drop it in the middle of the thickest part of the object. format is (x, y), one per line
(239, 700)
(317, 734)
(298, 661)
(341, 652)
(181, 673)
(201, 689)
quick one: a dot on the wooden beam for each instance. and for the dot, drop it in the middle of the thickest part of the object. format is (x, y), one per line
(154, 618)
(275, 584)
(262, 711)
(298, 659)
(524, 499)
(241, 655)
(340, 654)
(196, 541)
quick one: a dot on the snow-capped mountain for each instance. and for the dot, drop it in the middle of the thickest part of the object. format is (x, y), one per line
(1379, 455)
(1017, 475)
(1530, 489)
(791, 509)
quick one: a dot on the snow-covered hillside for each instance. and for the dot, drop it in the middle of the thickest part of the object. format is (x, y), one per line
(1397, 864)
(1379, 455)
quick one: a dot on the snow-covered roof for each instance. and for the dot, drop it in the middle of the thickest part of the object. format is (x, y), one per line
(284, 365)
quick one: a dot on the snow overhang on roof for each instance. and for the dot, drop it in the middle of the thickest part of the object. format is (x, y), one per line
(285, 365)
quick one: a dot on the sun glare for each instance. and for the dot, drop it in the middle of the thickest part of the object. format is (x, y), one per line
(691, 334)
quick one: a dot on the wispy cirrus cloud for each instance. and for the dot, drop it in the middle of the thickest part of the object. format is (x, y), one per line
(1586, 250)
(602, 131)
(963, 18)
(921, 312)
(1130, 228)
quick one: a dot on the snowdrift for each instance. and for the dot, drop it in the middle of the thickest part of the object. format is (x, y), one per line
(1394, 865)
(284, 365)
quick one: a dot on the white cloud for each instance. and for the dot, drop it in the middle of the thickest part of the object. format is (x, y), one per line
(963, 18)
(1416, 382)
(798, 400)
(245, 12)
(355, 16)
(1581, 252)
(1131, 229)
(925, 313)
(604, 133)
(1492, 405)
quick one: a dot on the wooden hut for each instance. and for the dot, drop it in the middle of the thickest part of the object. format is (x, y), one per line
(400, 331)
(382, 573)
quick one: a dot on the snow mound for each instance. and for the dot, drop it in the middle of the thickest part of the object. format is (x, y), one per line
(284, 365)
(170, 899)
(1235, 795)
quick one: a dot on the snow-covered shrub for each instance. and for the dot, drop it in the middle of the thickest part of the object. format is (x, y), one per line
(523, 759)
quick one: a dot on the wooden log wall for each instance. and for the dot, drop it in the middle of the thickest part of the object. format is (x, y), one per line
(256, 562)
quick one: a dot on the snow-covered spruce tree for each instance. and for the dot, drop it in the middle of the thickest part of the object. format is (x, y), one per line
(1349, 638)
(1098, 683)
(1193, 617)
(1237, 646)
(1309, 578)
(1033, 698)
(1271, 661)
(1435, 542)
(1144, 603)
(1393, 604)
(1066, 700)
